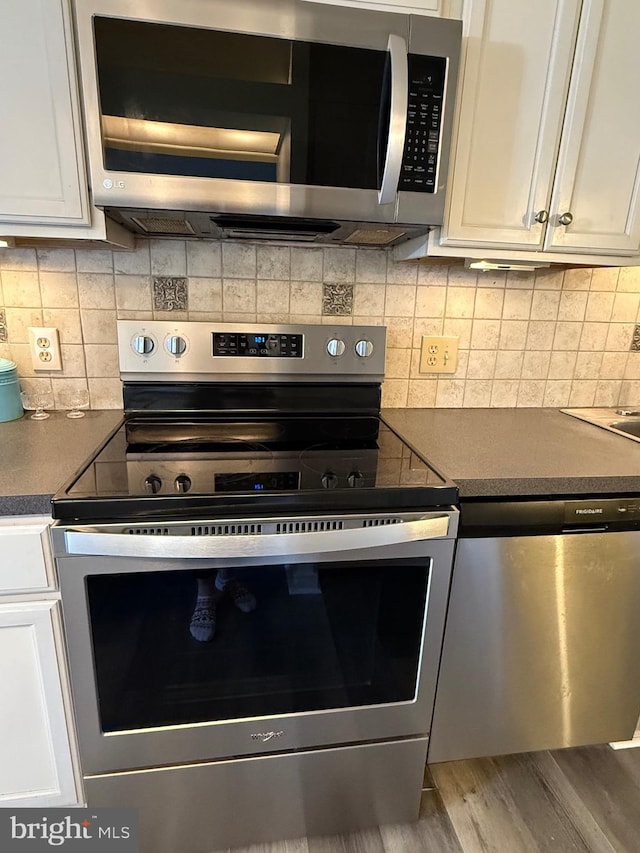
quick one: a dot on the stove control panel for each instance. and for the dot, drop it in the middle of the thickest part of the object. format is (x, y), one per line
(259, 345)
(182, 351)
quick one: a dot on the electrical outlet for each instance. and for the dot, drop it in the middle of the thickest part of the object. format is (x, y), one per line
(438, 354)
(44, 344)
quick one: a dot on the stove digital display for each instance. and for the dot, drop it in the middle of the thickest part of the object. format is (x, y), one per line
(257, 346)
(271, 482)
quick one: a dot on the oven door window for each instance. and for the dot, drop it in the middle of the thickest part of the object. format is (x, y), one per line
(208, 103)
(172, 648)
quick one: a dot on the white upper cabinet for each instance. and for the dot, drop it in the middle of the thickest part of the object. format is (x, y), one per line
(42, 171)
(598, 176)
(516, 75)
(547, 149)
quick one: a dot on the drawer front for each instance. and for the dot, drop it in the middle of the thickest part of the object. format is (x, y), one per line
(25, 557)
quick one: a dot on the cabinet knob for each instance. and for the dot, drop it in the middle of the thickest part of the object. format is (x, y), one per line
(542, 216)
(566, 218)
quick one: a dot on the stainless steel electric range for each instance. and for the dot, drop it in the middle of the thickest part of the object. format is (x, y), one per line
(254, 572)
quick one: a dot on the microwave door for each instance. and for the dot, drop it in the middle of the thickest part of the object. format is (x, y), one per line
(242, 106)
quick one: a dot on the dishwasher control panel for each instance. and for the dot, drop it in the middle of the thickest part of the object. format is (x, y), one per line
(532, 517)
(605, 510)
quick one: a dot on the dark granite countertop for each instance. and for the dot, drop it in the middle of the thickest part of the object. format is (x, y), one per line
(37, 457)
(487, 452)
(517, 452)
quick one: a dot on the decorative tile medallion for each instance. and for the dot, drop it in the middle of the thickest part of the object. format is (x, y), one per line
(337, 299)
(4, 335)
(635, 341)
(170, 294)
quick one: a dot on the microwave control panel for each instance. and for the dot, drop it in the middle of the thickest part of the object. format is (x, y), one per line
(427, 78)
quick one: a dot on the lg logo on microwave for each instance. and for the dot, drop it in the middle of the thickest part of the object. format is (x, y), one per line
(108, 184)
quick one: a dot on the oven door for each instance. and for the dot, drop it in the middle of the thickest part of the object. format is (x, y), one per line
(336, 641)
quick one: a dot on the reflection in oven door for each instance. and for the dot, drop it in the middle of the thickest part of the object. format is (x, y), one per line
(180, 647)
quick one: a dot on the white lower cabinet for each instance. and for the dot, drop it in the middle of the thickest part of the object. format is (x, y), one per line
(26, 564)
(37, 744)
(35, 757)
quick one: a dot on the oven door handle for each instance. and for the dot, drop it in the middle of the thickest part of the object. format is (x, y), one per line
(94, 543)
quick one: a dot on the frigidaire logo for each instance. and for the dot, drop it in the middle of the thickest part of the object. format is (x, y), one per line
(589, 511)
(79, 829)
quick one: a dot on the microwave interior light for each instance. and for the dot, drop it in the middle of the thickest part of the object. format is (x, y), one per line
(186, 140)
(516, 266)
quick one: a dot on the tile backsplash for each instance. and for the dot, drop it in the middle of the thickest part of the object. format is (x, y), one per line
(553, 338)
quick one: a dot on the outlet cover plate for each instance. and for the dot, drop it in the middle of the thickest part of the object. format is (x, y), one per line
(439, 354)
(44, 344)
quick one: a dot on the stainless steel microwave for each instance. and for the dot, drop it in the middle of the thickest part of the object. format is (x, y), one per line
(283, 118)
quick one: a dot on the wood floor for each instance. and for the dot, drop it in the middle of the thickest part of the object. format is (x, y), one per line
(578, 800)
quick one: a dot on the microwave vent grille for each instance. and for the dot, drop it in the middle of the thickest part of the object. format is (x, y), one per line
(375, 236)
(160, 225)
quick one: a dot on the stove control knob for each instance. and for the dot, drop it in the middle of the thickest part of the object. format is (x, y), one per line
(329, 481)
(182, 483)
(364, 348)
(176, 345)
(143, 345)
(356, 480)
(336, 347)
(153, 484)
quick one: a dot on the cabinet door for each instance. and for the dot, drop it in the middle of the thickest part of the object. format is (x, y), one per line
(42, 176)
(515, 81)
(598, 177)
(25, 559)
(35, 756)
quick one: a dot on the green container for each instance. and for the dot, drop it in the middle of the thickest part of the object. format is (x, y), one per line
(10, 403)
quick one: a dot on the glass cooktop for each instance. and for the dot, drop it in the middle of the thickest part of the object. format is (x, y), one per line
(152, 466)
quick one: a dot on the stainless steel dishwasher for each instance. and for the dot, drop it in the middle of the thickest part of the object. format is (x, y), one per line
(542, 641)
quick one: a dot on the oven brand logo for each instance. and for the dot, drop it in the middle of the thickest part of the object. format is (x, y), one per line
(265, 736)
(83, 829)
(590, 511)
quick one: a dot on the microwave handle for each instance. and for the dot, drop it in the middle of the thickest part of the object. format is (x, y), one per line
(397, 48)
(98, 544)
